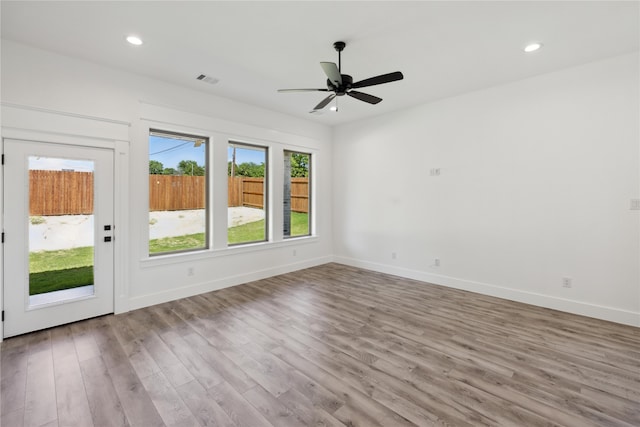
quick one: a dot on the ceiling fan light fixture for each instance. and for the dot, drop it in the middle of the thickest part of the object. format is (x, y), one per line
(532, 47)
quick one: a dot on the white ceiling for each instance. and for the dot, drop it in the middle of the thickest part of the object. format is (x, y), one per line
(255, 48)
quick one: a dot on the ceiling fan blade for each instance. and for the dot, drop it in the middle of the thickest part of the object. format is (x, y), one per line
(303, 90)
(378, 80)
(364, 97)
(332, 72)
(324, 102)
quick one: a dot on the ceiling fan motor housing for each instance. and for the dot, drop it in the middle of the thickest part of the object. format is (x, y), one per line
(347, 80)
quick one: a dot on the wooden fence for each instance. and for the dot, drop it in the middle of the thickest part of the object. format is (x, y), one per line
(300, 195)
(71, 193)
(244, 191)
(60, 193)
(175, 193)
(234, 191)
(252, 192)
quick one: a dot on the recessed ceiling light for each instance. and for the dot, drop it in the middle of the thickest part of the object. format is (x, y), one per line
(532, 47)
(134, 40)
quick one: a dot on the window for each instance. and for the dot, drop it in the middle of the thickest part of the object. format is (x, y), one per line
(178, 202)
(297, 194)
(247, 194)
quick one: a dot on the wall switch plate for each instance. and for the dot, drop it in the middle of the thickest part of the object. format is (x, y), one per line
(566, 282)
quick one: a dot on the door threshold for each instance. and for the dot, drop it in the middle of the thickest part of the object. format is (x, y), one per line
(56, 297)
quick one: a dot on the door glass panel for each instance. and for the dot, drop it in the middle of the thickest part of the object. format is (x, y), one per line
(61, 229)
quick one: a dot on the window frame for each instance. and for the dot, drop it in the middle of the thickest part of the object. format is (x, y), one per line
(207, 188)
(310, 212)
(265, 196)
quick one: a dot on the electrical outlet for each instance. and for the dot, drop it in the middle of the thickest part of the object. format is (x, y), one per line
(191, 271)
(394, 255)
(436, 262)
(295, 252)
(635, 205)
(566, 282)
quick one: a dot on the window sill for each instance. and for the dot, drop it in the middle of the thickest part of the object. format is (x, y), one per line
(176, 258)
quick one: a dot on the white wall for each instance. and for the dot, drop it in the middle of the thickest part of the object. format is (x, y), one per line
(536, 178)
(535, 185)
(37, 79)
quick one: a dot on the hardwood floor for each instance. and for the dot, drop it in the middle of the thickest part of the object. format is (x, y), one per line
(326, 346)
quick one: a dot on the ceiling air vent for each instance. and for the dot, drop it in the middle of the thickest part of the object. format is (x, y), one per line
(207, 79)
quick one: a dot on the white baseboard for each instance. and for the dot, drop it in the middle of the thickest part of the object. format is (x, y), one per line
(575, 307)
(225, 282)
(570, 306)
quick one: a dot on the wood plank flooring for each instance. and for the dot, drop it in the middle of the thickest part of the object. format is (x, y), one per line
(327, 346)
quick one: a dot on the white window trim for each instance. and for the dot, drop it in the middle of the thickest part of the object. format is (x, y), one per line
(220, 133)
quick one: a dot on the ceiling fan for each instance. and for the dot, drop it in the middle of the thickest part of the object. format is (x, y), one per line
(342, 84)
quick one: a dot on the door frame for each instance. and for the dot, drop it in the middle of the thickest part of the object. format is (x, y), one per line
(50, 126)
(25, 312)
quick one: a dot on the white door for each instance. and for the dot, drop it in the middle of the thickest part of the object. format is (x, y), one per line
(59, 231)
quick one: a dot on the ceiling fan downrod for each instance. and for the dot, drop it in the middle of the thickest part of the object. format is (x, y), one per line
(339, 46)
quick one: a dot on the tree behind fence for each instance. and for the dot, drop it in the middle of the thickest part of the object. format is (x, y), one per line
(70, 193)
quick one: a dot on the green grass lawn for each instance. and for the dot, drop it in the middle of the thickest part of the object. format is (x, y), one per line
(57, 280)
(176, 243)
(62, 269)
(70, 268)
(250, 232)
(299, 224)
